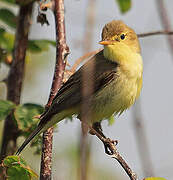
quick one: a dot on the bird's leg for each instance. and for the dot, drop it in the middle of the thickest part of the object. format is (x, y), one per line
(97, 127)
(106, 141)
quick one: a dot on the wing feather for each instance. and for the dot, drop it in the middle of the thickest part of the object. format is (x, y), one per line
(70, 94)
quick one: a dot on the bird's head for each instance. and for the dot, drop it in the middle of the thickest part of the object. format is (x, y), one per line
(116, 33)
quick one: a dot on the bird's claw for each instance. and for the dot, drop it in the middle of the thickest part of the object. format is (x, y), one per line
(108, 145)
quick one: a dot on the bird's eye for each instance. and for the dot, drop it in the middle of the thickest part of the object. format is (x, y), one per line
(122, 36)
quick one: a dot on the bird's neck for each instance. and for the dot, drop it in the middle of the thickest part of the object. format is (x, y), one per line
(129, 61)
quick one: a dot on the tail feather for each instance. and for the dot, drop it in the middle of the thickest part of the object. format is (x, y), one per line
(45, 123)
(31, 136)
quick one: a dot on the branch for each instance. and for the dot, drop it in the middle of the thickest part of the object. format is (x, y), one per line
(62, 51)
(15, 76)
(166, 32)
(115, 154)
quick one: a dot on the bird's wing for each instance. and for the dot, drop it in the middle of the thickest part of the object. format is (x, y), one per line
(70, 93)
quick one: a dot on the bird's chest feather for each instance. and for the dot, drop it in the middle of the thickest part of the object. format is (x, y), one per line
(125, 90)
(119, 95)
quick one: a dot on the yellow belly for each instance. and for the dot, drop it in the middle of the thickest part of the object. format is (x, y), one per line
(116, 97)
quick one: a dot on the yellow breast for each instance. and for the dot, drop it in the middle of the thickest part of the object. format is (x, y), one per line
(122, 92)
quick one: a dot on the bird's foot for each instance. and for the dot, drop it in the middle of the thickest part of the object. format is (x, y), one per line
(97, 127)
(109, 145)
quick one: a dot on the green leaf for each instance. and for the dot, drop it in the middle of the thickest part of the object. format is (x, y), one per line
(8, 17)
(10, 41)
(5, 108)
(25, 115)
(27, 122)
(17, 172)
(154, 178)
(12, 160)
(124, 5)
(38, 46)
(9, 1)
(2, 30)
(16, 168)
(23, 2)
(6, 40)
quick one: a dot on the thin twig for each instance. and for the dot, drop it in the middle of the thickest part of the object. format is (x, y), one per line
(166, 32)
(62, 51)
(116, 155)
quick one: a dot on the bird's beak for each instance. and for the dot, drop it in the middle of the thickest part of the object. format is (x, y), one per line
(106, 42)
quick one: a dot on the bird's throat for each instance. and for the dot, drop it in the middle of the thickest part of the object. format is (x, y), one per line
(129, 61)
(118, 52)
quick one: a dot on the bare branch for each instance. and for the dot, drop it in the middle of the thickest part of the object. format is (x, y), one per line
(155, 33)
(62, 51)
(116, 155)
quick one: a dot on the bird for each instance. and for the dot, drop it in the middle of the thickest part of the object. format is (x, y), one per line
(117, 81)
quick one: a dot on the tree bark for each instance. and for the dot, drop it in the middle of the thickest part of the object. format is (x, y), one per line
(62, 51)
(15, 77)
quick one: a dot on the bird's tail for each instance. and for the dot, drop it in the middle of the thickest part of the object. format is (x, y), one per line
(46, 122)
(31, 136)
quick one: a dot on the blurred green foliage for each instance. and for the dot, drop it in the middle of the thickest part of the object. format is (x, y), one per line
(9, 1)
(124, 5)
(24, 117)
(17, 169)
(8, 17)
(5, 108)
(39, 46)
(7, 44)
(6, 40)
(27, 122)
